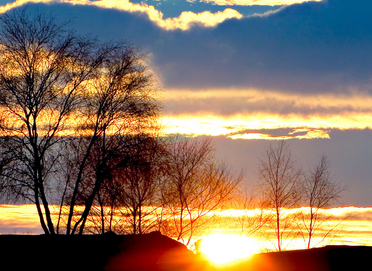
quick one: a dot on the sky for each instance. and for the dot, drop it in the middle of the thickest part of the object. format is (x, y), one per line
(251, 72)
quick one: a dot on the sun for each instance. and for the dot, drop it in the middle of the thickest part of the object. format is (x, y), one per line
(224, 248)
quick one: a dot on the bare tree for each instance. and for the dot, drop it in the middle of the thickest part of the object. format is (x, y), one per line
(319, 191)
(133, 191)
(280, 181)
(58, 89)
(196, 186)
(138, 185)
(120, 103)
(42, 70)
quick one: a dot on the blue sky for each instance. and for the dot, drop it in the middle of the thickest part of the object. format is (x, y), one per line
(247, 74)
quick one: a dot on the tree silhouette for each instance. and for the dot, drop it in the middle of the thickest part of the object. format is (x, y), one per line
(55, 86)
(280, 181)
(319, 191)
(195, 187)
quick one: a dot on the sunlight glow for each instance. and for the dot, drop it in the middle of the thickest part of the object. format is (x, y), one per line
(224, 248)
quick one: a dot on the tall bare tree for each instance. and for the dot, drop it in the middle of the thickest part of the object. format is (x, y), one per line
(280, 181)
(42, 70)
(56, 85)
(120, 102)
(196, 186)
(319, 191)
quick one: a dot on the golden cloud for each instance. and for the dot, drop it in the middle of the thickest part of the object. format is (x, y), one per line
(234, 126)
(186, 20)
(307, 116)
(308, 135)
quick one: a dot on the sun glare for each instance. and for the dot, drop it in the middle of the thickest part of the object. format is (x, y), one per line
(224, 248)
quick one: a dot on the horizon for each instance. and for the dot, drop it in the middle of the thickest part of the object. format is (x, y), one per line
(354, 228)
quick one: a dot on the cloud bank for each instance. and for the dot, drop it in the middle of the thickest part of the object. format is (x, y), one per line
(240, 113)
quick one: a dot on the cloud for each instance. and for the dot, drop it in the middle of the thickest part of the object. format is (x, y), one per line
(235, 126)
(284, 134)
(234, 101)
(243, 113)
(206, 19)
(257, 2)
(313, 47)
(184, 22)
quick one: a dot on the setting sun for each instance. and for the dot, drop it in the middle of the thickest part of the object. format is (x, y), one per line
(224, 248)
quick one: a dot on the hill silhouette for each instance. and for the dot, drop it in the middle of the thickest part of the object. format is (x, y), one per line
(329, 258)
(107, 252)
(155, 252)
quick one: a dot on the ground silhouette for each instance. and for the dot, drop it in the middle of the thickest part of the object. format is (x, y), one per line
(108, 252)
(156, 252)
(329, 258)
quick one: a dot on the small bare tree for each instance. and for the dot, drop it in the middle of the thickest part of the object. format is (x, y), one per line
(195, 186)
(120, 103)
(137, 186)
(319, 191)
(128, 199)
(280, 180)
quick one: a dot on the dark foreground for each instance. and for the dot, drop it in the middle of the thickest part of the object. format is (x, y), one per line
(154, 252)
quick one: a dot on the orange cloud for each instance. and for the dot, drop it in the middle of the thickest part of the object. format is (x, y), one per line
(184, 22)
(354, 101)
(199, 113)
(214, 125)
(308, 135)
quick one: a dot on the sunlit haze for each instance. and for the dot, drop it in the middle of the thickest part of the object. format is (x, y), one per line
(227, 235)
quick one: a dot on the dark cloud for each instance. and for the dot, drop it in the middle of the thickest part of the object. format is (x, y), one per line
(308, 47)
